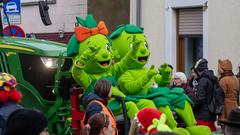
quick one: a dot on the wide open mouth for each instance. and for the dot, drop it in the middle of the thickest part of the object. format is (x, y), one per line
(104, 63)
(143, 59)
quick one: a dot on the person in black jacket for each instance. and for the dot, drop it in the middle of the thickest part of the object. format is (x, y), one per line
(238, 74)
(205, 85)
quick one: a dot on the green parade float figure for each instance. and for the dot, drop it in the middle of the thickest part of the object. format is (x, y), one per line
(141, 82)
(92, 60)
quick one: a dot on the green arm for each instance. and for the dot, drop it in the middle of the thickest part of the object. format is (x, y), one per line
(81, 77)
(122, 66)
(117, 92)
(78, 73)
(129, 85)
(132, 86)
(79, 62)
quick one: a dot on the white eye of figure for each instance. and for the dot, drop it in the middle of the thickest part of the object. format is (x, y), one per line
(108, 46)
(146, 44)
(131, 45)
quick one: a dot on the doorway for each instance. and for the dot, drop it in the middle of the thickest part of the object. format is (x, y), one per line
(189, 38)
(189, 50)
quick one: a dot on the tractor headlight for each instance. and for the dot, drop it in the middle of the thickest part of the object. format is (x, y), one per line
(49, 62)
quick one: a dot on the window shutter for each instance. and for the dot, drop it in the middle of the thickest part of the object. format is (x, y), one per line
(190, 21)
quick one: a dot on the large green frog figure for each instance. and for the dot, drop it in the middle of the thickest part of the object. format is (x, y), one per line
(141, 82)
(92, 60)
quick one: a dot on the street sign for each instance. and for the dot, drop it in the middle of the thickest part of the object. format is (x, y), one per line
(13, 19)
(12, 7)
(13, 11)
(16, 31)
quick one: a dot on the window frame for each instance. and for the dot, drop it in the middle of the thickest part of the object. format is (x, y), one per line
(35, 2)
(171, 38)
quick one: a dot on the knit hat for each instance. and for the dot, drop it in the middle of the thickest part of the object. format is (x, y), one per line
(152, 120)
(26, 122)
(201, 65)
(181, 76)
(225, 65)
(8, 90)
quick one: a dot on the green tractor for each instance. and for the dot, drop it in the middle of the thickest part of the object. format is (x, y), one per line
(42, 70)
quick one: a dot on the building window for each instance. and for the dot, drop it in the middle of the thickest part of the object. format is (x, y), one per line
(189, 38)
(35, 2)
(177, 39)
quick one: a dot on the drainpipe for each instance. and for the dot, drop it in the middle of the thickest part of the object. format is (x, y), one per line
(1, 25)
(138, 12)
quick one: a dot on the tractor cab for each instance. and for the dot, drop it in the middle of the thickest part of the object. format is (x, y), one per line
(42, 70)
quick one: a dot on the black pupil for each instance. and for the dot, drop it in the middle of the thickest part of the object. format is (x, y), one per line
(146, 44)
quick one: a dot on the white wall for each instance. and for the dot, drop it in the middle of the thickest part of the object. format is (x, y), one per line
(152, 20)
(62, 15)
(224, 31)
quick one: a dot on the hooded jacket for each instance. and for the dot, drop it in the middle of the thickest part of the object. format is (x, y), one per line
(94, 107)
(205, 85)
(5, 111)
(230, 86)
(98, 106)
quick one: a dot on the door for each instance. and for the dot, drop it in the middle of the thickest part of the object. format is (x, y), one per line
(189, 38)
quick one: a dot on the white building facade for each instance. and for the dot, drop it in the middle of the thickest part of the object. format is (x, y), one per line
(213, 34)
(62, 14)
(218, 35)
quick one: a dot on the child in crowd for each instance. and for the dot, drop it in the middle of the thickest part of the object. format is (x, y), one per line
(98, 124)
(97, 102)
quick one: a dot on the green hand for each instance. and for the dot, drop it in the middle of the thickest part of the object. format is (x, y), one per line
(151, 72)
(148, 76)
(135, 46)
(79, 61)
(88, 55)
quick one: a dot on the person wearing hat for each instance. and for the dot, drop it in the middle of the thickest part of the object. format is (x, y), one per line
(205, 79)
(9, 98)
(150, 121)
(26, 122)
(230, 85)
(232, 123)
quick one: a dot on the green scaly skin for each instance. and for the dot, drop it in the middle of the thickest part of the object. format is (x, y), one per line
(138, 79)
